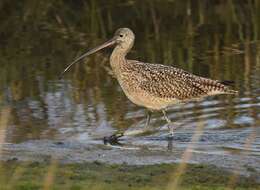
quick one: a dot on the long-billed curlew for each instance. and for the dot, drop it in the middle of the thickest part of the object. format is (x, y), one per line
(154, 86)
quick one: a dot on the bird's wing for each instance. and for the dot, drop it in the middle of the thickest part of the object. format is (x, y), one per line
(170, 82)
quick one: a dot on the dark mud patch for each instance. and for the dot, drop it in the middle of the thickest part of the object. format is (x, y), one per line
(133, 152)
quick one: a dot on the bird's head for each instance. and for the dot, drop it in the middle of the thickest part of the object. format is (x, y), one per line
(123, 39)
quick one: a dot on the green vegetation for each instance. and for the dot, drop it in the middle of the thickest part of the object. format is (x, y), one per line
(216, 39)
(34, 175)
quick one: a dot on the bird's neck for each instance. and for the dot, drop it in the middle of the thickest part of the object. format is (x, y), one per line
(117, 59)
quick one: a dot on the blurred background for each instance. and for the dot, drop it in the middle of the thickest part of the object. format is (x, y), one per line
(38, 39)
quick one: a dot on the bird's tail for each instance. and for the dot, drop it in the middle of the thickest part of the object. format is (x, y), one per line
(229, 91)
(227, 84)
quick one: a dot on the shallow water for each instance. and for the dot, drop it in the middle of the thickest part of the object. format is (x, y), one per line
(88, 104)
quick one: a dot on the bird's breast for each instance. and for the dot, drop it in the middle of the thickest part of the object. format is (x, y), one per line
(130, 85)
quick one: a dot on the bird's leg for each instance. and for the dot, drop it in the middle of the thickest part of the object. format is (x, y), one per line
(166, 117)
(149, 114)
(113, 139)
(169, 122)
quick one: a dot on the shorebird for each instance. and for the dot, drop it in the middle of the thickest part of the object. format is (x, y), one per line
(153, 86)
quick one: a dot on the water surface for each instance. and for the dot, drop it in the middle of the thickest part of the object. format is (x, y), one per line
(219, 40)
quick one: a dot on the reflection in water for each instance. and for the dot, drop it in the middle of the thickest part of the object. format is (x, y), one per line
(219, 40)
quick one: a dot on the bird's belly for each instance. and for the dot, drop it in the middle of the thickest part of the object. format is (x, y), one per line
(149, 101)
(131, 87)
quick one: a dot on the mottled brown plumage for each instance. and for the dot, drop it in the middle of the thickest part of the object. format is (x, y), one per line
(169, 82)
(154, 86)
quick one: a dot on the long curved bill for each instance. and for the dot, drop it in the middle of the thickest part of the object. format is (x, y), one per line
(106, 44)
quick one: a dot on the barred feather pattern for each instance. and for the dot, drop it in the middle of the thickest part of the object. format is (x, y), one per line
(168, 82)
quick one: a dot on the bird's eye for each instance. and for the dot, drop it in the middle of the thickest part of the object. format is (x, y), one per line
(121, 35)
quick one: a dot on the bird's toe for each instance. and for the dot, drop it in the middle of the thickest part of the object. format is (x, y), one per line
(113, 139)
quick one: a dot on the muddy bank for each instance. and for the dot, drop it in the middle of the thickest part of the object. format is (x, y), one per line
(130, 154)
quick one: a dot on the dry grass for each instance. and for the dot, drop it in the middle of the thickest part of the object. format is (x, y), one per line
(177, 176)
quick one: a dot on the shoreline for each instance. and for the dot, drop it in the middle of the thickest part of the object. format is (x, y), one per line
(79, 152)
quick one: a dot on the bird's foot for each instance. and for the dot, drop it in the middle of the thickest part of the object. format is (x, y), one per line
(113, 139)
(171, 132)
(170, 136)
